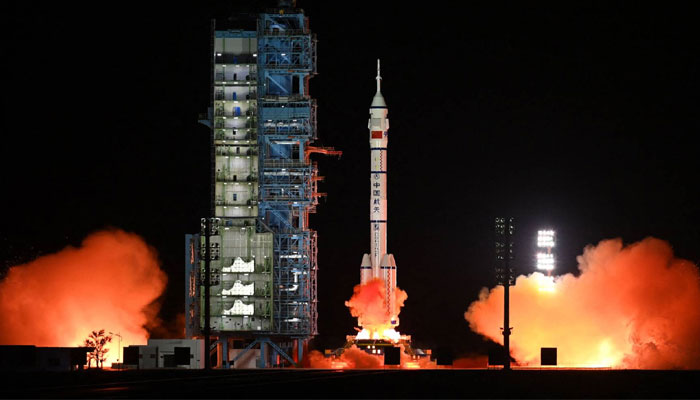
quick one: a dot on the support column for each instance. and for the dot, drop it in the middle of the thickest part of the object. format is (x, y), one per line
(506, 325)
(300, 350)
(263, 359)
(224, 350)
(506, 295)
(505, 276)
(207, 286)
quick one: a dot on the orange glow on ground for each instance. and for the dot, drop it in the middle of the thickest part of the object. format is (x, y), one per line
(631, 306)
(339, 365)
(356, 358)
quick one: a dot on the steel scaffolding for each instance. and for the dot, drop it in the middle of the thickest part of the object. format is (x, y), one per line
(262, 254)
(286, 126)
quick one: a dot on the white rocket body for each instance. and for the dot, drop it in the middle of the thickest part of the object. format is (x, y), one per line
(379, 263)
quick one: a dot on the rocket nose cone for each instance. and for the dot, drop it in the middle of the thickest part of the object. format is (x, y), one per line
(378, 100)
(365, 261)
(385, 261)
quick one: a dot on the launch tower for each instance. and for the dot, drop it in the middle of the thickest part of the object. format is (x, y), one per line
(263, 266)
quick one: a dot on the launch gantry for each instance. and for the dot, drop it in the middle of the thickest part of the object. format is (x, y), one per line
(263, 241)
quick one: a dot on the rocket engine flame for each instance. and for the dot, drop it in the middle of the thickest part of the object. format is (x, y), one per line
(111, 282)
(631, 306)
(368, 304)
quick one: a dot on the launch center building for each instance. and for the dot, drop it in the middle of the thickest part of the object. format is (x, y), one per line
(263, 262)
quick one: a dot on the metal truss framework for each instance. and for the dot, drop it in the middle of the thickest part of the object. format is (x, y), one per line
(287, 126)
(275, 128)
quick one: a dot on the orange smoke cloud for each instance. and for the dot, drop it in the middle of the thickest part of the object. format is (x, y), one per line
(367, 303)
(630, 307)
(351, 358)
(107, 283)
(355, 358)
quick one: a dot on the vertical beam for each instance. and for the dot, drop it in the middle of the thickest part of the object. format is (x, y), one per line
(207, 285)
(210, 211)
(300, 350)
(263, 359)
(191, 269)
(506, 293)
(224, 351)
(504, 276)
(506, 323)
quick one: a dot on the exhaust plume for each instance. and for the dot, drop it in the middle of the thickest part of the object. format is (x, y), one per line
(110, 282)
(367, 303)
(355, 358)
(629, 307)
(351, 358)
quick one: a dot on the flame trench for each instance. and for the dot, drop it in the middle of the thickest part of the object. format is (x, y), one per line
(110, 282)
(629, 307)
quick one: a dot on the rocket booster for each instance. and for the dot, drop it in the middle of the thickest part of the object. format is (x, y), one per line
(379, 263)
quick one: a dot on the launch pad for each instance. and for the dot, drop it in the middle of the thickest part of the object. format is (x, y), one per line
(378, 346)
(378, 353)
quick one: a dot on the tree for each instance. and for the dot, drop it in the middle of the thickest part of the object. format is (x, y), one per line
(97, 341)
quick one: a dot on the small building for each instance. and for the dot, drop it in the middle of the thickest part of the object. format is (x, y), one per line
(33, 358)
(166, 353)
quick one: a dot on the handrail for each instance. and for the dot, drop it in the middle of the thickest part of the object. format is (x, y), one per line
(285, 32)
(285, 164)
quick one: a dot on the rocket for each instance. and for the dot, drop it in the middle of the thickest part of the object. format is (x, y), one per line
(379, 263)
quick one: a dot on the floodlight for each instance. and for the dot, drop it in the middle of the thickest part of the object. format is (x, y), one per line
(545, 238)
(545, 261)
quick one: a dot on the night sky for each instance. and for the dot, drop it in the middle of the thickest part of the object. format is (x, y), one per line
(579, 117)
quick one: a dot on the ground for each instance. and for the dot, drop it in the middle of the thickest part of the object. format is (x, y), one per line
(381, 383)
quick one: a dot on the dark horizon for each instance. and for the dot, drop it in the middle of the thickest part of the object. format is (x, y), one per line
(578, 118)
